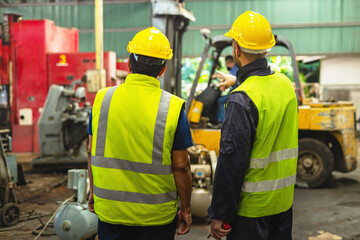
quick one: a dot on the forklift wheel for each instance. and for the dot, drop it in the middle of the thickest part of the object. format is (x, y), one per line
(10, 214)
(315, 163)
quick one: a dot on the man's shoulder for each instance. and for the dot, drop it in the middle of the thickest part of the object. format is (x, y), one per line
(174, 97)
(239, 97)
(102, 91)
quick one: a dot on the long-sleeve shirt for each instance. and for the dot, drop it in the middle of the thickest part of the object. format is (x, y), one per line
(237, 138)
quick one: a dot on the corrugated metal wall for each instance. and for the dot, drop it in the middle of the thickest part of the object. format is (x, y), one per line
(313, 26)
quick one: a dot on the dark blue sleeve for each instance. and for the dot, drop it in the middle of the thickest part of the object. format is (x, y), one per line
(89, 130)
(234, 70)
(182, 138)
(237, 139)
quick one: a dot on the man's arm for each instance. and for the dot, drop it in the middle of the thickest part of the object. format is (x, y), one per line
(91, 196)
(183, 181)
(237, 138)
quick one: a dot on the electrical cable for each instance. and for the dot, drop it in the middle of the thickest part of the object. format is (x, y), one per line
(62, 204)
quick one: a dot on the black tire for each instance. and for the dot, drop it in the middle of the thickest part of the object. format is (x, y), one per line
(10, 214)
(315, 163)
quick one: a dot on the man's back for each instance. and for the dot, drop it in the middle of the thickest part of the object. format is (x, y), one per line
(136, 143)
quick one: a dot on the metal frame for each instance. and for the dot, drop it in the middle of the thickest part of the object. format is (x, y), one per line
(170, 17)
(219, 43)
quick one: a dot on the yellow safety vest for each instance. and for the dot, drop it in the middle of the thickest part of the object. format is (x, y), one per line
(133, 132)
(269, 182)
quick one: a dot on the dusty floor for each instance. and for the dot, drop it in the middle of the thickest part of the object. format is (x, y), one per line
(40, 194)
(334, 209)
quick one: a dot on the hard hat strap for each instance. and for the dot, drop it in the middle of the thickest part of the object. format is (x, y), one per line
(150, 61)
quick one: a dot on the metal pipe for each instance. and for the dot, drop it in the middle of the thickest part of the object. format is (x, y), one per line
(198, 73)
(99, 35)
(226, 27)
(285, 25)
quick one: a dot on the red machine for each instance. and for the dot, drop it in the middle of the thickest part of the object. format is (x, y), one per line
(34, 54)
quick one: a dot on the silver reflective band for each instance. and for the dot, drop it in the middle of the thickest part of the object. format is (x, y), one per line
(103, 120)
(157, 154)
(274, 157)
(270, 185)
(159, 133)
(138, 167)
(134, 197)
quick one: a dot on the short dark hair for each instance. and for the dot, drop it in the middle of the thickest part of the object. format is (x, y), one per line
(142, 68)
(229, 57)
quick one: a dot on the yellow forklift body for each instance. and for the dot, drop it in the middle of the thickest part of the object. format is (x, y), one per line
(210, 138)
(336, 118)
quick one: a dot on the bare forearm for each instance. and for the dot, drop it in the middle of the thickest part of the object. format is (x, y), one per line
(184, 186)
(182, 176)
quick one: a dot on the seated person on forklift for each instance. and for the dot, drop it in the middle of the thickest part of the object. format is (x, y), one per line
(232, 68)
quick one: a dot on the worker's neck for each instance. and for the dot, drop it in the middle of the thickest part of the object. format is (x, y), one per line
(245, 61)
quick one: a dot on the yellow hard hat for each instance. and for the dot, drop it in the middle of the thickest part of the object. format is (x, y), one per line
(252, 31)
(151, 42)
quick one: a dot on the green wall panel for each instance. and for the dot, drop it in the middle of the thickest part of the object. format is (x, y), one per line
(277, 11)
(307, 23)
(82, 16)
(329, 40)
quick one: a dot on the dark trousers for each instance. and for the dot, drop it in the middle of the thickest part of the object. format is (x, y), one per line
(107, 231)
(274, 227)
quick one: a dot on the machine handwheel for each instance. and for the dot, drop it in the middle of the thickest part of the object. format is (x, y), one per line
(315, 162)
(10, 214)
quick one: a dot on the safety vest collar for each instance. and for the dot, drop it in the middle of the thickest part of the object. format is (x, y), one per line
(141, 79)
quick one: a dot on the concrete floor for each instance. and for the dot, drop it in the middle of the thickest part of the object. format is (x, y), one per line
(334, 209)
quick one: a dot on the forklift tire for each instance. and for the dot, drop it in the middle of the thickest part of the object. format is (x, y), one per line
(315, 163)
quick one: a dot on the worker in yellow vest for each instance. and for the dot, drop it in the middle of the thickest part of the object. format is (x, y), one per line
(138, 139)
(256, 172)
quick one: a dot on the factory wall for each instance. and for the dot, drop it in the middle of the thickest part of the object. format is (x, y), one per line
(340, 79)
(314, 26)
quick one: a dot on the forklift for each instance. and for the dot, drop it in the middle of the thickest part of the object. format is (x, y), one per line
(327, 140)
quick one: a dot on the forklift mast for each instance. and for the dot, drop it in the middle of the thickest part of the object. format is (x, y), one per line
(171, 18)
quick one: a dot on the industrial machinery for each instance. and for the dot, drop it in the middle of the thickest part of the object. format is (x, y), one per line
(327, 139)
(35, 54)
(203, 165)
(73, 220)
(9, 210)
(62, 126)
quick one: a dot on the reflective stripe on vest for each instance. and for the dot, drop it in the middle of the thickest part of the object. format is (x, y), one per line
(277, 156)
(269, 185)
(155, 167)
(134, 197)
